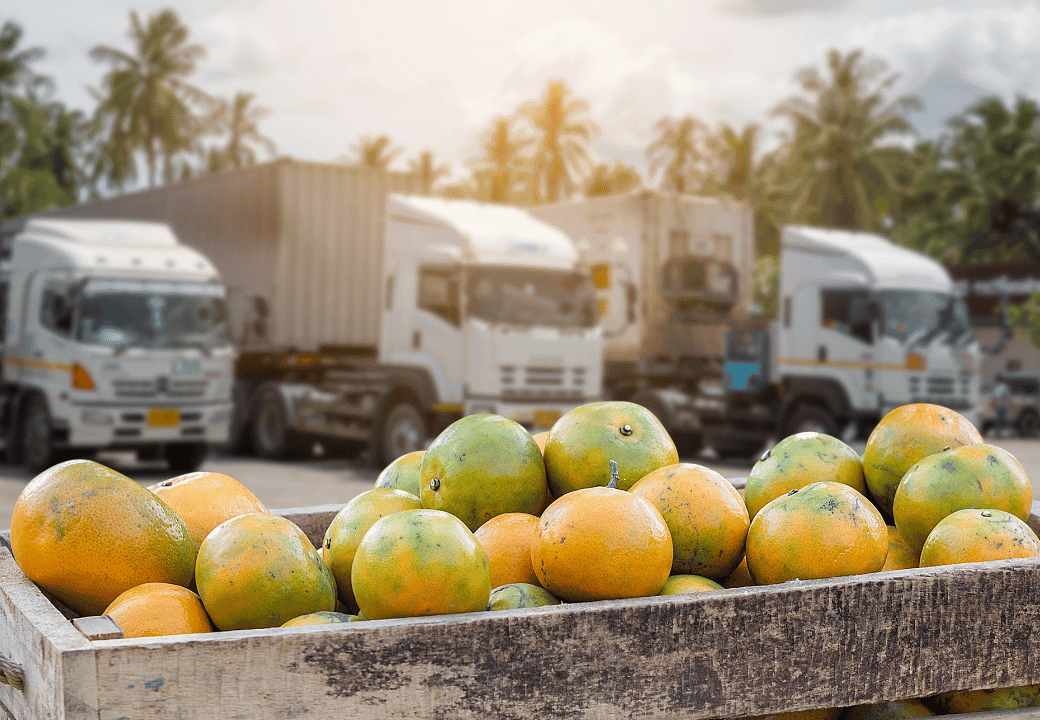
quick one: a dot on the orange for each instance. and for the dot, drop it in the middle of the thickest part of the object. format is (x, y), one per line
(582, 443)
(740, 577)
(798, 460)
(153, 609)
(322, 617)
(977, 536)
(402, 473)
(86, 533)
(520, 595)
(896, 710)
(706, 518)
(825, 529)
(903, 437)
(420, 562)
(540, 438)
(818, 714)
(601, 543)
(482, 466)
(970, 701)
(350, 525)
(260, 570)
(206, 499)
(686, 584)
(979, 476)
(507, 540)
(900, 555)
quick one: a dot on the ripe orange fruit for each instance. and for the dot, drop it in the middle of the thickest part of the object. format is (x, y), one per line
(818, 714)
(979, 476)
(520, 595)
(402, 473)
(507, 541)
(259, 570)
(973, 535)
(350, 525)
(481, 466)
(154, 609)
(206, 499)
(582, 443)
(322, 617)
(970, 701)
(540, 438)
(740, 577)
(685, 584)
(823, 530)
(706, 518)
(903, 437)
(798, 460)
(86, 533)
(420, 562)
(896, 710)
(601, 543)
(900, 555)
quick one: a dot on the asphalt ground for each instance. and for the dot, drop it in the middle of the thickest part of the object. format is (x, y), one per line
(330, 481)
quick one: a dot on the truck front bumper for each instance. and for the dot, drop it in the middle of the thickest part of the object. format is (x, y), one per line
(113, 426)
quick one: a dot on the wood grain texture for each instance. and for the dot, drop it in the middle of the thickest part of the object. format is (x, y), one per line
(314, 521)
(98, 627)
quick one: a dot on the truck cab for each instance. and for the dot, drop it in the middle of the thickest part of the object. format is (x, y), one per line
(115, 335)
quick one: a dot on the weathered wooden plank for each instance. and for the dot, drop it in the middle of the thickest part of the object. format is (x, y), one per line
(748, 651)
(98, 627)
(314, 521)
(57, 661)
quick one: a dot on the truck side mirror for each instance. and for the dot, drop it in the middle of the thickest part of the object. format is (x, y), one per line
(260, 306)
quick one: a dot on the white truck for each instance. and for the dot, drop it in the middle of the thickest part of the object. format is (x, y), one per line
(367, 317)
(864, 326)
(114, 335)
(670, 272)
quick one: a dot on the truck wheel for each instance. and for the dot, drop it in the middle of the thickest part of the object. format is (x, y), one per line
(1028, 424)
(688, 444)
(728, 447)
(810, 418)
(185, 457)
(269, 426)
(403, 430)
(239, 440)
(37, 450)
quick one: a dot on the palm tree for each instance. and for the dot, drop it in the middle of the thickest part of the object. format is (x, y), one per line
(427, 172)
(613, 179)
(239, 120)
(374, 152)
(564, 133)
(15, 71)
(679, 150)
(147, 103)
(501, 168)
(840, 143)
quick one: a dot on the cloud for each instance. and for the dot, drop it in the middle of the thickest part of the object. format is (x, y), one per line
(783, 7)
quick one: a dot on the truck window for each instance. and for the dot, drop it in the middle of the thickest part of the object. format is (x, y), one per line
(439, 293)
(56, 309)
(848, 312)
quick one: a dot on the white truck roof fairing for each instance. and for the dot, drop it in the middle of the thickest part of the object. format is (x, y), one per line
(490, 234)
(884, 264)
(107, 247)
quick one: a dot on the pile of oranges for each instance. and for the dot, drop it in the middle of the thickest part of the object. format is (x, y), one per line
(490, 517)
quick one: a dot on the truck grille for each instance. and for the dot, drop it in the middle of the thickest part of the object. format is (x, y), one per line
(159, 387)
(542, 383)
(940, 386)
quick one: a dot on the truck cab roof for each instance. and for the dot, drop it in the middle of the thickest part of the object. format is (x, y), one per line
(489, 234)
(884, 264)
(104, 247)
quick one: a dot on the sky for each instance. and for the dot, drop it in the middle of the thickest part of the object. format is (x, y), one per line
(433, 74)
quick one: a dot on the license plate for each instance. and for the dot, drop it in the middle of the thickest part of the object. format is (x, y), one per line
(164, 417)
(545, 418)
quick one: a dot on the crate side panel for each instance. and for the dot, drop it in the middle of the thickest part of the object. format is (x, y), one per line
(734, 653)
(57, 661)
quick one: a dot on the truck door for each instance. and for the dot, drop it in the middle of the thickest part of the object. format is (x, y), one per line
(846, 347)
(47, 335)
(437, 332)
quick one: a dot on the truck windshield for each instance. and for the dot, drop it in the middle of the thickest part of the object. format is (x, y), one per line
(149, 314)
(532, 297)
(924, 316)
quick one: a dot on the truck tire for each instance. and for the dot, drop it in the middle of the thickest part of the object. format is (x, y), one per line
(269, 429)
(402, 429)
(689, 444)
(239, 440)
(737, 447)
(1028, 424)
(810, 418)
(36, 448)
(185, 458)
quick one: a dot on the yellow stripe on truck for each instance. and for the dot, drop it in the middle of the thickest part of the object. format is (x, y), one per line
(805, 362)
(38, 364)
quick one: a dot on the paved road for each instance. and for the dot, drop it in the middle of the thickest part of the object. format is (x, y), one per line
(326, 481)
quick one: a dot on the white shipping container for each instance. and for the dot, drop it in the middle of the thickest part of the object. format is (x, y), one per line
(306, 237)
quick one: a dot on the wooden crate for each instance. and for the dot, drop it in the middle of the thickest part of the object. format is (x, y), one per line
(747, 651)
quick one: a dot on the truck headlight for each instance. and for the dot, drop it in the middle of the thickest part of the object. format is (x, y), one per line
(97, 417)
